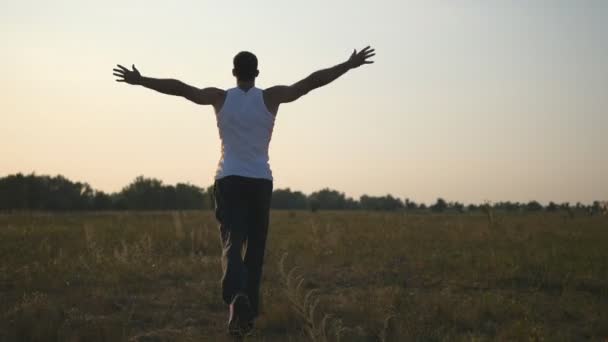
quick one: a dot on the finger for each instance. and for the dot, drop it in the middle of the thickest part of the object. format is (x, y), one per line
(369, 53)
(365, 49)
(370, 56)
(368, 62)
(134, 68)
(122, 67)
(363, 54)
(118, 70)
(118, 75)
(120, 80)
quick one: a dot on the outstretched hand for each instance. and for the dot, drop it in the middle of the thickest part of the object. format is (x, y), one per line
(126, 75)
(359, 58)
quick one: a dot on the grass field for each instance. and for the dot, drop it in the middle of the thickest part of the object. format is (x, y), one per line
(350, 276)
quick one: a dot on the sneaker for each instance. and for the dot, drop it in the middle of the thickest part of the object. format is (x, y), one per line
(240, 321)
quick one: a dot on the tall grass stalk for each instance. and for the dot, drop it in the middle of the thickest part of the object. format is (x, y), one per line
(305, 304)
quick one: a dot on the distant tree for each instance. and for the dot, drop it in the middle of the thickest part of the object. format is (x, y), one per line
(119, 202)
(13, 192)
(286, 199)
(102, 201)
(150, 194)
(314, 204)
(328, 199)
(351, 204)
(516, 206)
(143, 194)
(459, 207)
(506, 206)
(534, 206)
(552, 207)
(597, 207)
(189, 196)
(410, 205)
(439, 206)
(209, 198)
(387, 202)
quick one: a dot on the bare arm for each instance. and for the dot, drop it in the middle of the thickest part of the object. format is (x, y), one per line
(282, 94)
(205, 96)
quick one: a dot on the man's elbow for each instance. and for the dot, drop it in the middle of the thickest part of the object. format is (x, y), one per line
(315, 80)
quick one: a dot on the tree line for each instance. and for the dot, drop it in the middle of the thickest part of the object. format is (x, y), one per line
(41, 192)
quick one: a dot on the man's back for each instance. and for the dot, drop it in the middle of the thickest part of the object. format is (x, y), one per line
(245, 126)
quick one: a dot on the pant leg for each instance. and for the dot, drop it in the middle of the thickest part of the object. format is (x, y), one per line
(256, 239)
(231, 211)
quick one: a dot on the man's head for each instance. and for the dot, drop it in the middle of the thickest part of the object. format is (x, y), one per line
(245, 66)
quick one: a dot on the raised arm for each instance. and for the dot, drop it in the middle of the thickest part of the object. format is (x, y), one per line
(274, 96)
(205, 96)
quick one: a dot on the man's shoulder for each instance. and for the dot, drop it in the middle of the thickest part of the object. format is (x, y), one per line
(217, 96)
(216, 91)
(271, 99)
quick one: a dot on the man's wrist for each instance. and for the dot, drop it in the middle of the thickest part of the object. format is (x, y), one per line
(139, 81)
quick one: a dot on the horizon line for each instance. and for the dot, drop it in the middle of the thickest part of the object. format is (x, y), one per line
(404, 198)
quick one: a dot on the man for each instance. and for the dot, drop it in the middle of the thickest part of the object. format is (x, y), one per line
(243, 181)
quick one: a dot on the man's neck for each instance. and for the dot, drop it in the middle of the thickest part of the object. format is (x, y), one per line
(245, 85)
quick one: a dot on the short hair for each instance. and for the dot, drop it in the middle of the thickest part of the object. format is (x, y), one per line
(245, 66)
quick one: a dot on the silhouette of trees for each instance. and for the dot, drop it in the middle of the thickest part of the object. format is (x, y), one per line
(327, 199)
(533, 206)
(439, 206)
(459, 207)
(151, 194)
(410, 205)
(387, 202)
(33, 192)
(208, 198)
(507, 206)
(102, 201)
(58, 193)
(44, 193)
(286, 199)
(143, 194)
(552, 207)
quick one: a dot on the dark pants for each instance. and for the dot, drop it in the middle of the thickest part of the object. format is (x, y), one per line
(242, 207)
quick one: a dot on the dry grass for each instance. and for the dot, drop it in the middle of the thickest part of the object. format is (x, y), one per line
(349, 276)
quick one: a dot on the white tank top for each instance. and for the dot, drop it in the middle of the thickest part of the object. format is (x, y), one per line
(245, 126)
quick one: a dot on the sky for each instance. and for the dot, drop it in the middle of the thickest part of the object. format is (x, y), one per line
(467, 100)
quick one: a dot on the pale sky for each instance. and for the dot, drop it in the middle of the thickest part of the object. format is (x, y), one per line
(467, 100)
